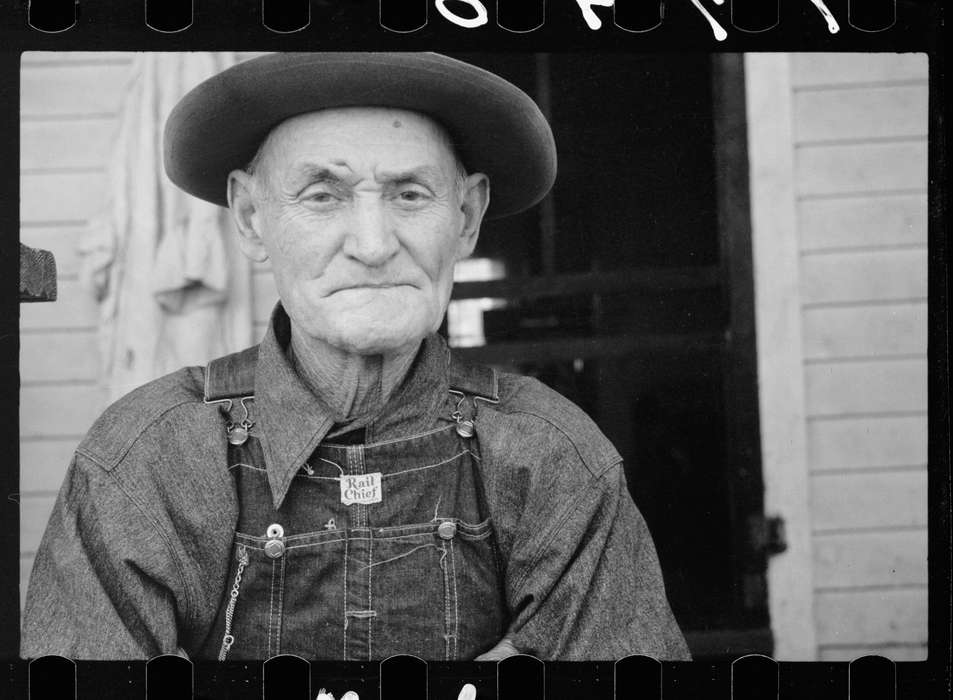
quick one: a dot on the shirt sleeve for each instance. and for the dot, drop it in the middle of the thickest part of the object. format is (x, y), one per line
(593, 589)
(104, 583)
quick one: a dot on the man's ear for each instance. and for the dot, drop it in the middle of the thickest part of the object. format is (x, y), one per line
(244, 209)
(474, 199)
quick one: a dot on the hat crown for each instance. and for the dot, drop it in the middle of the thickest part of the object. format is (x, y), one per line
(495, 127)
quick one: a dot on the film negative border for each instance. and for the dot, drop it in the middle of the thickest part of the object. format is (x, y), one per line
(521, 677)
(653, 23)
(749, 25)
(284, 16)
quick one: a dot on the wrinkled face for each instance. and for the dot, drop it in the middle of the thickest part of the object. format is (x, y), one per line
(363, 213)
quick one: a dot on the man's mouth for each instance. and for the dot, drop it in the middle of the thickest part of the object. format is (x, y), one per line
(371, 285)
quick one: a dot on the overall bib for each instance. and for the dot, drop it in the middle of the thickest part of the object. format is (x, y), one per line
(377, 549)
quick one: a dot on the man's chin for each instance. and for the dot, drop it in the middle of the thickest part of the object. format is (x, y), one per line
(376, 340)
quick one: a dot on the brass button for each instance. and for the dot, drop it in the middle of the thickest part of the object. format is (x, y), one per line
(274, 548)
(447, 530)
(238, 435)
(465, 428)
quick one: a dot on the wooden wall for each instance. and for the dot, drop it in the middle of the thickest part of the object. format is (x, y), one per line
(860, 127)
(857, 166)
(69, 108)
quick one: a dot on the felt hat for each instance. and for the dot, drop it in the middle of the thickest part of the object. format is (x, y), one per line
(495, 127)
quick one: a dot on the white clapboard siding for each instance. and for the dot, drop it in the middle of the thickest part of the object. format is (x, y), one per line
(74, 58)
(865, 275)
(860, 149)
(61, 196)
(863, 387)
(834, 169)
(59, 356)
(860, 559)
(863, 222)
(866, 501)
(862, 618)
(74, 308)
(43, 463)
(66, 143)
(59, 410)
(61, 241)
(869, 442)
(901, 112)
(869, 331)
(895, 652)
(69, 89)
(854, 69)
(856, 163)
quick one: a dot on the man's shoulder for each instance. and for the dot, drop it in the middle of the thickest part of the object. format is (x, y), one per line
(126, 420)
(538, 419)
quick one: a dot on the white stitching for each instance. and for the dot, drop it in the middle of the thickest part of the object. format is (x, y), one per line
(384, 476)
(247, 466)
(362, 508)
(456, 611)
(271, 603)
(371, 565)
(345, 598)
(430, 466)
(281, 605)
(400, 439)
(421, 530)
(370, 595)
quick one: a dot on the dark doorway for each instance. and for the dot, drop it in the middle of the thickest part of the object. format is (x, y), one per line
(629, 290)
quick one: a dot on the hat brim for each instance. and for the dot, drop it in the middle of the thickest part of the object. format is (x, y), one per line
(497, 128)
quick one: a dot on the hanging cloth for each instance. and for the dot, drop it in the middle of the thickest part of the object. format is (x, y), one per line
(172, 286)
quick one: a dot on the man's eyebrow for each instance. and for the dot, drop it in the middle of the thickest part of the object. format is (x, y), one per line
(423, 173)
(314, 173)
(306, 173)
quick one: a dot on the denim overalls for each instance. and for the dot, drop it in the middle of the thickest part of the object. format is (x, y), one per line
(377, 549)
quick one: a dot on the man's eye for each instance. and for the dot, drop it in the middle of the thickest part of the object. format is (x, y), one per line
(320, 197)
(412, 196)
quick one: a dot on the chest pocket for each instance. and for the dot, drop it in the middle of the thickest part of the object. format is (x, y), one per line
(415, 572)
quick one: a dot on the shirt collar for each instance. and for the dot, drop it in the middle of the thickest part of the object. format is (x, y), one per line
(294, 420)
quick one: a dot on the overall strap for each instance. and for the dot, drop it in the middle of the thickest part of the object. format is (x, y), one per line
(231, 376)
(230, 382)
(478, 381)
(473, 382)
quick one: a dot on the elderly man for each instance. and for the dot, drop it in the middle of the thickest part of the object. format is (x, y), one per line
(348, 489)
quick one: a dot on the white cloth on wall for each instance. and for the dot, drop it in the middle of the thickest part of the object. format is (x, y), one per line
(172, 286)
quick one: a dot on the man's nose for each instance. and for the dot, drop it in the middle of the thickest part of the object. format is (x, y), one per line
(371, 238)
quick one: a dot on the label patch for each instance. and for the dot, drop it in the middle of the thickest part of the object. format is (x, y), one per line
(361, 488)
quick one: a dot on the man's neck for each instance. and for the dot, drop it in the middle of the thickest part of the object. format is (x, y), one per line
(354, 387)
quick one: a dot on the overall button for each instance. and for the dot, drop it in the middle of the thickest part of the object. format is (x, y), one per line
(238, 435)
(447, 530)
(274, 548)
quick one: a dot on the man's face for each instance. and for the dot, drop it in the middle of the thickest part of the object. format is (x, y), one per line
(363, 214)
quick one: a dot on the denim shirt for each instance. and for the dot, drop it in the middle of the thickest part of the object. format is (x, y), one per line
(160, 522)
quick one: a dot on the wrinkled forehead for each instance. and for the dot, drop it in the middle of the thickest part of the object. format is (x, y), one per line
(356, 125)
